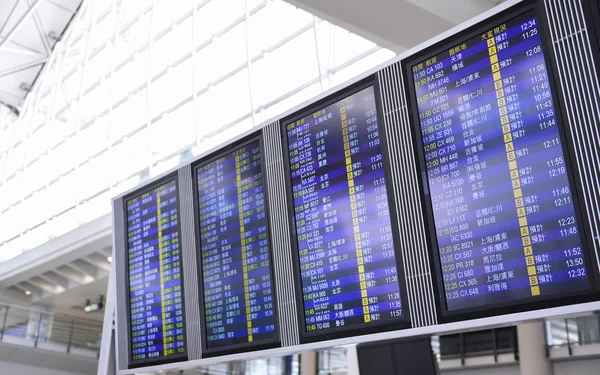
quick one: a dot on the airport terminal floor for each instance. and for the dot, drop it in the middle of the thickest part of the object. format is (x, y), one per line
(299, 187)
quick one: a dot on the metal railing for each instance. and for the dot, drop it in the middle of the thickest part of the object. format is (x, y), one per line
(332, 361)
(573, 332)
(49, 331)
(492, 342)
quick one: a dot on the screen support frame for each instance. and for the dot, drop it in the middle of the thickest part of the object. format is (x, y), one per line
(585, 309)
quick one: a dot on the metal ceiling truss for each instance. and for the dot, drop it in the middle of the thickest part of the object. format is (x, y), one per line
(25, 16)
(30, 12)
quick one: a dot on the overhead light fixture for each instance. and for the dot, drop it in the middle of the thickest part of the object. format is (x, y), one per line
(109, 258)
(28, 292)
(93, 307)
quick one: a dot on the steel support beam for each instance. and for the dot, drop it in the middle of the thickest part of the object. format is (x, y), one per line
(20, 68)
(41, 31)
(12, 10)
(45, 285)
(85, 267)
(98, 260)
(55, 278)
(27, 286)
(27, 52)
(73, 275)
(62, 7)
(19, 23)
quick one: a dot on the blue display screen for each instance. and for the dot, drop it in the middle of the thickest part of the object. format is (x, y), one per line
(234, 245)
(497, 171)
(349, 276)
(157, 328)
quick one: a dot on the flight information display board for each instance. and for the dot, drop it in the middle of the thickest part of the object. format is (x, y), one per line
(156, 312)
(498, 181)
(349, 273)
(238, 293)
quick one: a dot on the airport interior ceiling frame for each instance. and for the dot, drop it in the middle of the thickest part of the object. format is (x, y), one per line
(485, 110)
(237, 283)
(348, 270)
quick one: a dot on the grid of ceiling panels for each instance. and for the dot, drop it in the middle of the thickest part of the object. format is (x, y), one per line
(136, 87)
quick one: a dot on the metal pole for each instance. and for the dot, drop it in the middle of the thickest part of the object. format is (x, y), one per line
(568, 337)
(462, 348)
(4, 323)
(37, 334)
(70, 336)
(516, 343)
(548, 344)
(495, 345)
(106, 364)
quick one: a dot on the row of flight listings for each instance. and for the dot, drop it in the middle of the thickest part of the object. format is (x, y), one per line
(502, 213)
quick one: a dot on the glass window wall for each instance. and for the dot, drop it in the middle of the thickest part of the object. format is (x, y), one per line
(136, 87)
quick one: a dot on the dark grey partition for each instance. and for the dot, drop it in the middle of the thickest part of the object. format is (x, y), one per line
(122, 331)
(407, 357)
(577, 73)
(407, 197)
(190, 270)
(280, 235)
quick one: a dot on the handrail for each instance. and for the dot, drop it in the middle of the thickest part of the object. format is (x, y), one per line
(459, 348)
(573, 332)
(3, 304)
(50, 331)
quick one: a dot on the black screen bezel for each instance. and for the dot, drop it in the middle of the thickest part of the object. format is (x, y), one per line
(250, 346)
(584, 295)
(364, 328)
(175, 357)
(594, 22)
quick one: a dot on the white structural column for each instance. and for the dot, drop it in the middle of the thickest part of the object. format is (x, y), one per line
(533, 358)
(352, 356)
(308, 363)
(39, 325)
(107, 361)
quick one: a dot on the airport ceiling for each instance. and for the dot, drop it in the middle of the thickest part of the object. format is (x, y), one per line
(29, 29)
(396, 24)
